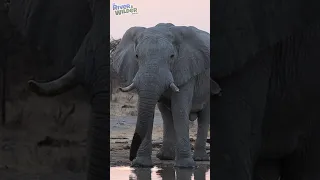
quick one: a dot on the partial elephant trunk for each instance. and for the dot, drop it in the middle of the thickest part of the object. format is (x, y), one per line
(98, 142)
(146, 108)
(55, 87)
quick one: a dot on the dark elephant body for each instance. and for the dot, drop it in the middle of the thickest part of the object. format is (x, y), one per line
(74, 34)
(265, 125)
(291, 118)
(57, 28)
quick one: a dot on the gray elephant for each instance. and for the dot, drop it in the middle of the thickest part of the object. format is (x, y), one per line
(265, 126)
(75, 33)
(169, 66)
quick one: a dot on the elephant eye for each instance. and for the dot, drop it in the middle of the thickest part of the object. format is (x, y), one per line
(172, 56)
(136, 55)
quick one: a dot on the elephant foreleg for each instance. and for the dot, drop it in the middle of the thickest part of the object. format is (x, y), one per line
(181, 103)
(200, 153)
(167, 151)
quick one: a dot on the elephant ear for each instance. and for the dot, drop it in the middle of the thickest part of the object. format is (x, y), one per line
(214, 87)
(193, 46)
(124, 62)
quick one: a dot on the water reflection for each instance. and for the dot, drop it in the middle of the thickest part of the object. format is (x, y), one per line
(160, 173)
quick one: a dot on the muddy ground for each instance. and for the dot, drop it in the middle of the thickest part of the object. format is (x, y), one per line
(44, 138)
(122, 125)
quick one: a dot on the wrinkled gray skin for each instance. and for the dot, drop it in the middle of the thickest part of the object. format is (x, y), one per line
(90, 64)
(266, 59)
(168, 65)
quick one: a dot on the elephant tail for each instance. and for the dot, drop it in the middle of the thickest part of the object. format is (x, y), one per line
(55, 87)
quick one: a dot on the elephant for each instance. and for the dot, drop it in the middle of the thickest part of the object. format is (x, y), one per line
(168, 66)
(78, 30)
(265, 58)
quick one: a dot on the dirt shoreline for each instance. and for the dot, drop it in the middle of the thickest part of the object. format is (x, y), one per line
(121, 132)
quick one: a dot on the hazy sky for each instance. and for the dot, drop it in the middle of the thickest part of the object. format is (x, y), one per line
(152, 12)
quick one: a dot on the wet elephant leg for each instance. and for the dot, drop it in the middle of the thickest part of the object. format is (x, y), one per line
(267, 170)
(142, 173)
(185, 174)
(200, 153)
(167, 151)
(166, 172)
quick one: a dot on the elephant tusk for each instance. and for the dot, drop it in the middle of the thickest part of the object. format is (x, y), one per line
(55, 87)
(128, 88)
(174, 87)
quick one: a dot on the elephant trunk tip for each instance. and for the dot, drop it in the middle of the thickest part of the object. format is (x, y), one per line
(136, 142)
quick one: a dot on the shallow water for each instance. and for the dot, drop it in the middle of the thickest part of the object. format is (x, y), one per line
(159, 173)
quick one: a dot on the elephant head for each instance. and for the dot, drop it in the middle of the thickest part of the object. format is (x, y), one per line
(157, 60)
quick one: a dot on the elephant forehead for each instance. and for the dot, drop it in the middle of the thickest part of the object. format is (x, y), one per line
(156, 32)
(151, 43)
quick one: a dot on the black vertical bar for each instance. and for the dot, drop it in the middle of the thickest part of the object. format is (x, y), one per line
(3, 84)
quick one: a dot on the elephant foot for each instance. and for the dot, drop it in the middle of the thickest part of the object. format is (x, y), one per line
(185, 163)
(142, 162)
(201, 155)
(166, 153)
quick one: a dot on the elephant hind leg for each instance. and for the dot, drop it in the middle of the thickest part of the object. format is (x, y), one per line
(167, 151)
(267, 170)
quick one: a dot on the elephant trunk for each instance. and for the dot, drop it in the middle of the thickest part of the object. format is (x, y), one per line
(151, 83)
(146, 109)
(55, 87)
(98, 147)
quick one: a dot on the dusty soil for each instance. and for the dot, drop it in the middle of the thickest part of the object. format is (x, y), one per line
(44, 138)
(122, 124)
